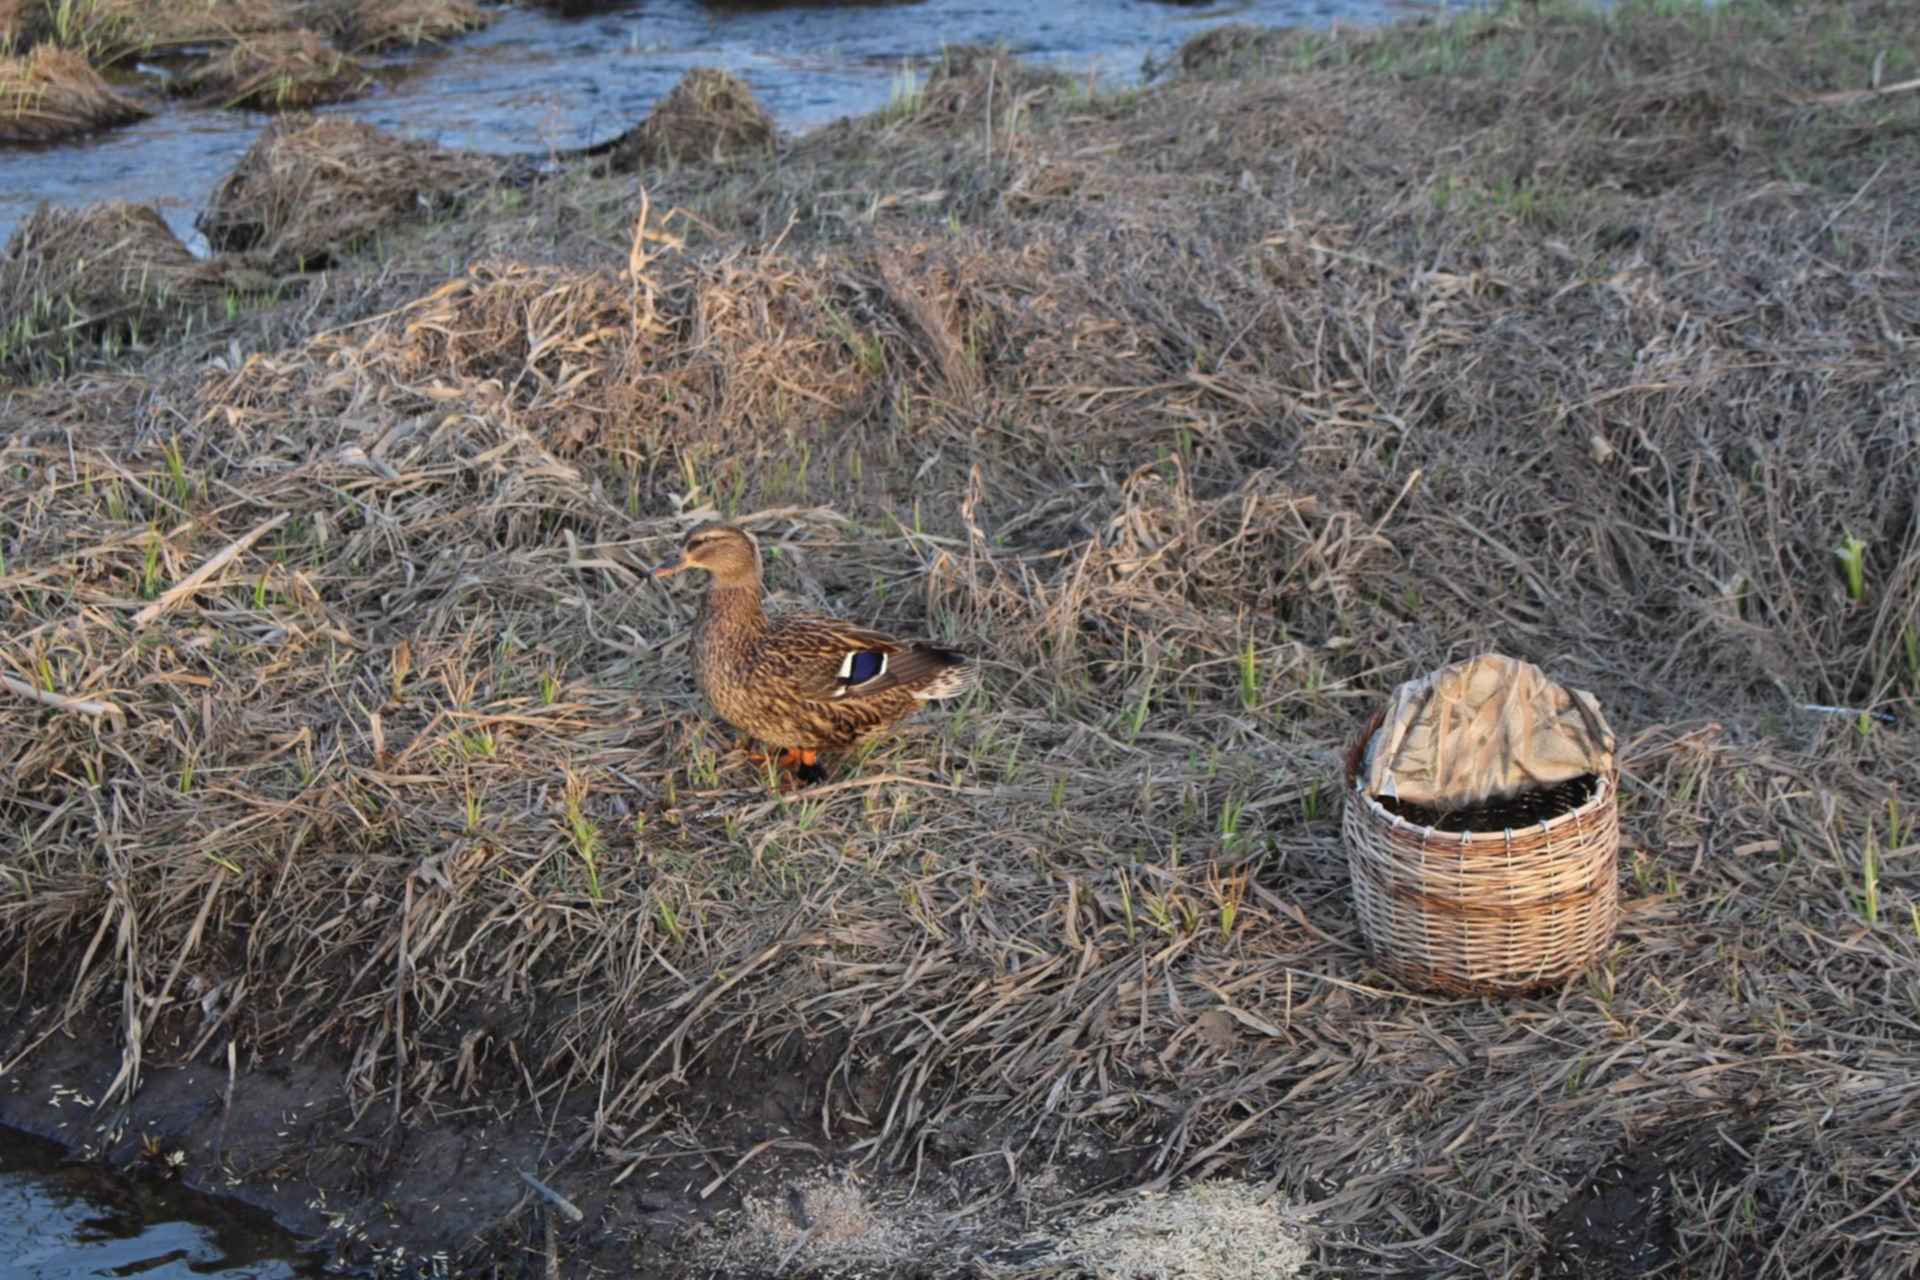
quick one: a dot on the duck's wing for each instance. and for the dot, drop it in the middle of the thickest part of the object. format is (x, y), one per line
(824, 659)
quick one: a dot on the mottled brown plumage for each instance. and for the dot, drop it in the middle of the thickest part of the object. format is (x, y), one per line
(801, 681)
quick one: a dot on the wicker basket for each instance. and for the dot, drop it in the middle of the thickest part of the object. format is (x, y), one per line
(1495, 913)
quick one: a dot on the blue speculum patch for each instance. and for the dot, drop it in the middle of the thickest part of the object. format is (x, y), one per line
(864, 666)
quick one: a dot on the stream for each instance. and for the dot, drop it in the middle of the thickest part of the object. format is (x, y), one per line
(537, 82)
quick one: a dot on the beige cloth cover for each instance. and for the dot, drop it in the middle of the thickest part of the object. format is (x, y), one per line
(1489, 726)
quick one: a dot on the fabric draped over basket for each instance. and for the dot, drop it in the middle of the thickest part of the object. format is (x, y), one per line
(1489, 726)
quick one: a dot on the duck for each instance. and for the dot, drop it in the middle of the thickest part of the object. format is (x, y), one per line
(802, 682)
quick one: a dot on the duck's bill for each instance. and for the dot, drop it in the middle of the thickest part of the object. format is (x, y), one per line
(671, 567)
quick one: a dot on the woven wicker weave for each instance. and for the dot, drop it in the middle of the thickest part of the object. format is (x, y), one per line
(1497, 913)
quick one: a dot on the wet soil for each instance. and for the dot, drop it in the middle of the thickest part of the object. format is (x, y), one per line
(1616, 1225)
(62, 1219)
(281, 1137)
(385, 1196)
(1619, 1223)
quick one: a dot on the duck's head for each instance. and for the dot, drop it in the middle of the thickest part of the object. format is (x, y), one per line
(730, 554)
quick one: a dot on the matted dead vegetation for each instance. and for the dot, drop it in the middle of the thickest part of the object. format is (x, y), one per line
(14, 24)
(51, 95)
(827, 1222)
(111, 31)
(963, 86)
(1223, 49)
(79, 285)
(708, 116)
(340, 725)
(276, 71)
(311, 187)
(386, 24)
(1208, 1230)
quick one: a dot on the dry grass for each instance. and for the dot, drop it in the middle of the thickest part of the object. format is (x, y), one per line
(822, 1222)
(77, 286)
(109, 31)
(14, 24)
(276, 71)
(1220, 1230)
(311, 187)
(708, 116)
(388, 24)
(1205, 415)
(50, 95)
(972, 83)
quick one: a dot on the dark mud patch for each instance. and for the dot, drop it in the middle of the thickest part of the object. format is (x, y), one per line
(284, 1138)
(281, 1137)
(1617, 1224)
(1620, 1221)
(60, 1217)
(735, 1172)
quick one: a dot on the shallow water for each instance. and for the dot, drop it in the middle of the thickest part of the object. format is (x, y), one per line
(65, 1221)
(536, 82)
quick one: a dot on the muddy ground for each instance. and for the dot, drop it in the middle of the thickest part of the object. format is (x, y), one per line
(449, 1197)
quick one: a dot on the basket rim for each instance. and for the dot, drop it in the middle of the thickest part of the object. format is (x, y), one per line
(1602, 793)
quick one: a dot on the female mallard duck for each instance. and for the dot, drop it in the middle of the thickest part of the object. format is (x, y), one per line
(800, 681)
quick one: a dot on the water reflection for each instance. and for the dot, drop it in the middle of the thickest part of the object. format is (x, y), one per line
(66, 1221)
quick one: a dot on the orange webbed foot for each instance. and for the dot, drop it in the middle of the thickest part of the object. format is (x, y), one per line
(802, 765)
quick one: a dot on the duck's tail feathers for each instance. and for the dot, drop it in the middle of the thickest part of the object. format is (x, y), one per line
(934, 673)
